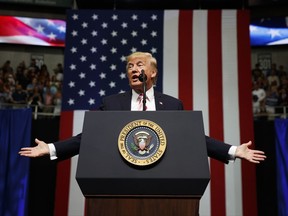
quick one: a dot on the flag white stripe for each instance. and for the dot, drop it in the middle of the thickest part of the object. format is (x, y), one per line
(200, 84)
(170, 53)
(200, 65)
(231, 109)
(76, 199)
(20, 39)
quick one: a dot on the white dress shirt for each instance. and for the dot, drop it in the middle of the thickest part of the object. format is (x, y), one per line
(150, 101)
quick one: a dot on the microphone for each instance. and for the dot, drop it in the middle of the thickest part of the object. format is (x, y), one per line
(142, 76)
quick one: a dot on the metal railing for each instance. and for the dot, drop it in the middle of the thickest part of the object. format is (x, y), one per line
(54, 111)
(272, 112)
(38, 111)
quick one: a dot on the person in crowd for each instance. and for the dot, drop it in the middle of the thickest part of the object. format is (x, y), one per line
(2, 94)
(19, 96)
(44, 75)
(283, 96)
(273, 78)
(263, 83)
(21, 75)
(257, 72)
(34, 67)
(58, 72)
(258, 97)
(31, 86)
(273, 67)
(136, 62)
(6, 92)
(281, 71)
(35, 99)
(272, 99)
(48, 99)
(57, 101)
(6, 68)
(10, 79)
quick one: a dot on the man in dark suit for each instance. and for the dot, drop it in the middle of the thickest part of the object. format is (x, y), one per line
(137, 63)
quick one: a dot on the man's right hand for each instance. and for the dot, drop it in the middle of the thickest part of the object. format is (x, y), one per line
(38, 151)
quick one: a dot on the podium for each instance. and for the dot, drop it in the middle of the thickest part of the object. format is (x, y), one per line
(114, 185)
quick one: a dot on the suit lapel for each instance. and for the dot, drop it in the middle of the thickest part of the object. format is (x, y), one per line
(126, 101)
(158, 101)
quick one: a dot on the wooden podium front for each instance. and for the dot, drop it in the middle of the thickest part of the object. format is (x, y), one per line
(137, 206)
(171, 186)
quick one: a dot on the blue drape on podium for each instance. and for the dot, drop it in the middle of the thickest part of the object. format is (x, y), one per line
(281, 129)
(15, 132)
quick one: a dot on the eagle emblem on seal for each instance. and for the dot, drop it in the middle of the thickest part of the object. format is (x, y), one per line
(142, 142)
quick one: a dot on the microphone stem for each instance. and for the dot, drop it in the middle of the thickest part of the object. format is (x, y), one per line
(144, 91)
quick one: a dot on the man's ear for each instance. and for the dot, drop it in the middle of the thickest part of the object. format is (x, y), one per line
(154, 73)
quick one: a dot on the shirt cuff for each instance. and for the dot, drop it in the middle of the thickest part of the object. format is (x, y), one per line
(52, 151)
(231, 153)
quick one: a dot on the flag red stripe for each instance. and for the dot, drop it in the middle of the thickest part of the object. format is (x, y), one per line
(246, 115)
(216, 109)
(185, 58)
(63, 169)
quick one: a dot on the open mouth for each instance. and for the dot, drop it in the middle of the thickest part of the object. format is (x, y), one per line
(135, 78)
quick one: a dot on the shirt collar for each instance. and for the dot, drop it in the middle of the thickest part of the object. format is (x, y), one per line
(149, 94)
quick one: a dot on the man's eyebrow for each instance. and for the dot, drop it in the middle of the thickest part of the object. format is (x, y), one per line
(138, 62)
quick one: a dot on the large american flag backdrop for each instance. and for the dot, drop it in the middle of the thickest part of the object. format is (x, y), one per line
(204, 60)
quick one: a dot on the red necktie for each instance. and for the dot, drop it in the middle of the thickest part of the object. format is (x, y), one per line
(140, 102)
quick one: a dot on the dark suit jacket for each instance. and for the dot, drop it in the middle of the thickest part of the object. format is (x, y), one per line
(68, 148)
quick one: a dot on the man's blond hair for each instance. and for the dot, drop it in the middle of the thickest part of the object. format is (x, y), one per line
(150, 59)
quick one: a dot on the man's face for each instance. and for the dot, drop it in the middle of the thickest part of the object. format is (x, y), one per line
(134, 67)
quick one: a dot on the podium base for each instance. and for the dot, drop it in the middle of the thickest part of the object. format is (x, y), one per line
(139, 206)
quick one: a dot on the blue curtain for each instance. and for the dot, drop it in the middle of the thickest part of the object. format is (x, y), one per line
(281, 129)
(15, 132)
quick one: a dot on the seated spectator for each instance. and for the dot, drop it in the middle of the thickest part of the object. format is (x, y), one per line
(19, 96)
(57, 102)
(21, 76)
(263, 83)
(273, 78)
(34, 67)
(273, 68)
(272, 99)
(44, 75)
(2, 94)
(7, 92)
(6, 68)
(48, 101)
(258, 97)
(54, 86)
(283, 97)
(58, 71)
(257, 72)
(36, 99)
(281, 71)
(31, 86)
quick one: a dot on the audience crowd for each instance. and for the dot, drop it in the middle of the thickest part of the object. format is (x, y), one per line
(34, 86)
(31, 85)
(270, 89)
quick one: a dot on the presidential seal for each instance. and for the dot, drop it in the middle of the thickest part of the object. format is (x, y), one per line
(142, 142)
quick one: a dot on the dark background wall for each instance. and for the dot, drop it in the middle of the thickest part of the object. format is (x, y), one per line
(266, 172)
(43, 171)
